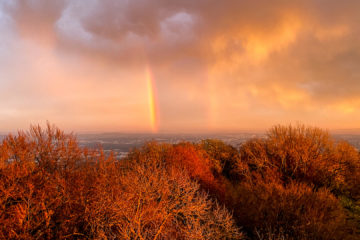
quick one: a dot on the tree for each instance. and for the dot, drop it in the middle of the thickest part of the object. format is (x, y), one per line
(164, 203)
(50, 188)
(295, 177)
(224, 157)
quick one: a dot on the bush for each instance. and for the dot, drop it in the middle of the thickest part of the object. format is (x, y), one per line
(295, 211)
(293, 179)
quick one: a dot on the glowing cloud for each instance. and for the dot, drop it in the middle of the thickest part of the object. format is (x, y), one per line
(152, 100)
(223, 65)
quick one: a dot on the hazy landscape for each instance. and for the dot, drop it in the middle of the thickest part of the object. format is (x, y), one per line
(122, 143)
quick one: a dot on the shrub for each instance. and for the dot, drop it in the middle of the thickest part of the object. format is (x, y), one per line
(266, 207)
(292, 183)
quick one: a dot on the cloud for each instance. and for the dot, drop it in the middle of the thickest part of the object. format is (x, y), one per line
(212, 59)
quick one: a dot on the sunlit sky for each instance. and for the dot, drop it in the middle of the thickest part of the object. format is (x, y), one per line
(179, 65)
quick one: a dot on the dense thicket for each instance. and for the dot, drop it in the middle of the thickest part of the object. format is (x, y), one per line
(50, 188)
(297, 183)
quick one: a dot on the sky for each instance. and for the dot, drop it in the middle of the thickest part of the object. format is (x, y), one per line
(179, 65)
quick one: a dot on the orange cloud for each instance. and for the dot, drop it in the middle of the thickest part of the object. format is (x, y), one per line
(217, 64)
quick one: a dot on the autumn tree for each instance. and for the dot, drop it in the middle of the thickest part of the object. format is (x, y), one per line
(164, 203)
(224, 157)
(50, 188)
(296, 177)
(32, 165)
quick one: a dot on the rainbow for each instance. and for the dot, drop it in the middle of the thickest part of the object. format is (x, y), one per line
(152, 100)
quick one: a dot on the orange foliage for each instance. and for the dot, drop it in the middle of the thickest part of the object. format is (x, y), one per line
(224, 157)
(293, 184)
(303, 154)
(194, 161)
(50, 188)
(266, 206)
(163, 199)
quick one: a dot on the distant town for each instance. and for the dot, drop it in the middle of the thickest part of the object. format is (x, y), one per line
(122, 143)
